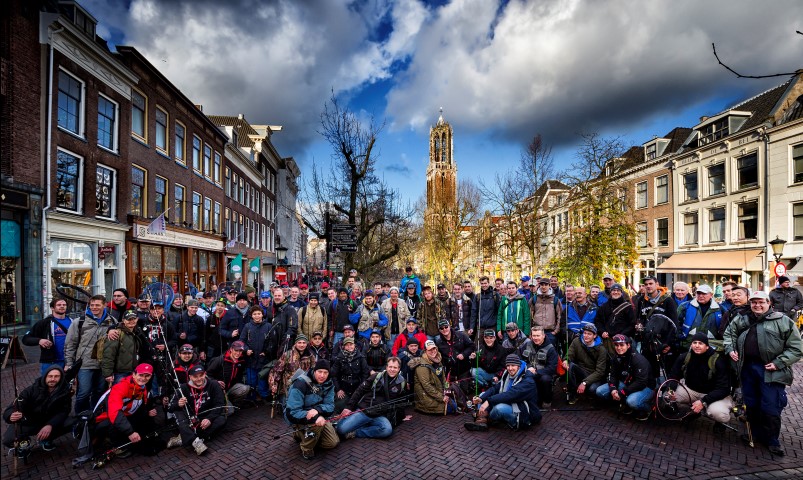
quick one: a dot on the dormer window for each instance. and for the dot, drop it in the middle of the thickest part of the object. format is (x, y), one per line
(650, 153)
(234, 139)
(80, 17)
(714, 131)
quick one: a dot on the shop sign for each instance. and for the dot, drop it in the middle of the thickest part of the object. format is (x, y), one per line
(105, 250)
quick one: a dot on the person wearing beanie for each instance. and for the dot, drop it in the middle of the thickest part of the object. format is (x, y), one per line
(615, 316)
(235, 319)
(339, 311)
(254, 335)
(298, 357)
(189, 327)
(349, 370)
(310, 401)
(512, 400)
(704, 374)
(587, 361)
(786, 298)
(491, 363)
(631, 382)
(119, 304)
(703, 314)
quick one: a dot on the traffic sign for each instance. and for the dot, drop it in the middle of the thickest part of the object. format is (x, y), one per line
(344, 248)
(780, 269)
(344, 228)
(344, 238)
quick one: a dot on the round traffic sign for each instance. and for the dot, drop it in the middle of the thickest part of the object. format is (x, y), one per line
(780, 269)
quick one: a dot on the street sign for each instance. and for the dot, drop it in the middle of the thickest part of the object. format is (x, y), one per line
(344, 248)
(344, 228)
(780, 269)
(344, 238)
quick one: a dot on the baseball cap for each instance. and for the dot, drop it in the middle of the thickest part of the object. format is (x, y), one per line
(590, 327)
(511, 326)
(440, 286)
(759, 295)
(196, 369)
(429, 344)
(525, 278)
(324, 285)
(130, 314)
(704, 289)
(264, 295)
(543, 281)
(144, 368)
(621, 339)
(238, 345)
(443, 323)
(348, 340)
(489, 333)
(186, 348)
(608, 276)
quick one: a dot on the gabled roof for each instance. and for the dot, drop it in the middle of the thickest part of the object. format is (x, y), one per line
(550, 185)
(632, 157)
(794, 112)
(241, 126)
(676, 137)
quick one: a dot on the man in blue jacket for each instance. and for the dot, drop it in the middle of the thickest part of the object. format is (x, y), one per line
(410, 277)
(310, 400)
(513, 399)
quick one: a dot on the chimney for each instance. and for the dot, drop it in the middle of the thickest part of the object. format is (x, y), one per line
(241, 116)
(703, 118)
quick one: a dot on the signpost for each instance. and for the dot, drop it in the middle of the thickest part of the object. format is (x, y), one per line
(343, 237)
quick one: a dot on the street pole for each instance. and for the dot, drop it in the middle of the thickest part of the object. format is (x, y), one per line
(327, 234)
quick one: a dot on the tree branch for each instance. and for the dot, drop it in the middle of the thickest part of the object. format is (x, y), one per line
(739, 75)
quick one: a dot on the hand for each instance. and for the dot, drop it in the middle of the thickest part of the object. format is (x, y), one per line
(531, 370)
(45, 343)
(113, 334)
(371, 373)
(565, 364)
(110, 379)
(771, 367)
(735, 356)
(274, 389)
(202, 356)
(44, 433)
(311, 413)
(345, 413)
(407, 418)
(460, 356)
(476, 400)
(320, 422)
(495, 379)
(235, 334)
(499, 335)
(667, 348)
(16, 417)
(160, 347)
(485, 406)
(472, 356)
(470, 332)
(697, 406)
(182, 401)
(341, 394)
(152, 412)
(134, 437)
(581, 389)
(604, 334)
(222, 385)
(615, 395)
(205, 423)
(249, 352)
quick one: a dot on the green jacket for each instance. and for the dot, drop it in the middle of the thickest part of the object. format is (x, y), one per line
(516, 310)
(593, 360)
(121, 355)
(778, 341)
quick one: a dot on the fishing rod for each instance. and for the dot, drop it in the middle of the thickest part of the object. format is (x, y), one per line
(22, 447)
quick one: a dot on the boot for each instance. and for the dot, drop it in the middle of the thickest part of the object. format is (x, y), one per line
(480, 424)
(199, 446)
(772, 432)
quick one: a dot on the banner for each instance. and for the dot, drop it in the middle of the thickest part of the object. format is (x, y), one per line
(237, 264)
(254, 265)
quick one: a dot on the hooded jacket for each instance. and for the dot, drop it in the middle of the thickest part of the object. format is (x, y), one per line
(691, 320)
(428, 385)
(520, 391)
(492, 359)
(410, 278)
(516, 310)
(616, 316)
(255, 336)
(124, 354)
(778, 342)
(39, 406)
(349, 371)
(120, 402)
(633, 370)
(80, 344)
(306, 394)
(593, 359)
(401, 341)
(311, 320)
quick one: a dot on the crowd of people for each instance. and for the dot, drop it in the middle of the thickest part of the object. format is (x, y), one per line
(344, 362)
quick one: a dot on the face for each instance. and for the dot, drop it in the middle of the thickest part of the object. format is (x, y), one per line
(208, 301)
(698, 347)
(235, 354)
(177, 302)
(445, 330)
(411, 327)
(348, 333)
(428, 295)
(580, 295)
(343, 296)
(369, 300)
(350, 281)
(118, 298)
(157, 311)
(52, 378)
(588, 337)
(301, 345)
(220, 309)
(349, 347)
(432, 353)
(96, 307)
(313, 302)
(198, 379)
(130, 323)
(393, 368)
(726, 291)
(142, 379)
(703, 297)
(294, 292)
(498, 284)
(185, 356)
(413, 348)
(377, 287)
(484, 284)
(242, 303)
(331, 294)
(759, 306)
(681, 291)
(650, 286)
(616, 293)
(467, 288)
(739, 297)
(375, 339)
(607, 282)
(411, 290)
(512, 369)
(192, 309)
(488, 340)
(594, 292)
(457, 291)
(230, 296)
(317, 340)
(257, 316)
(621, 348)
(60, 307)
(570, 293)
(513, 333)
(544, 287)
(394, 294)
(304, 291)
(511, 289)
(278, 295)
(786, 284)
(265, 301)
(553, 282)
(321, 375)
(538, 337)
(143, 304)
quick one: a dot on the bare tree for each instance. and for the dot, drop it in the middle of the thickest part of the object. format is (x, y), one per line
(353, 190)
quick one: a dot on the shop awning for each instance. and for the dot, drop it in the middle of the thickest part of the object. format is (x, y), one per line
(729, 263)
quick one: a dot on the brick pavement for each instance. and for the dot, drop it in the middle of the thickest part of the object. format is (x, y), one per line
(583, 445)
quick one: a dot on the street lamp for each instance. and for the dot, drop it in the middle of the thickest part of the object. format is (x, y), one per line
(777, 248)
(281, 254)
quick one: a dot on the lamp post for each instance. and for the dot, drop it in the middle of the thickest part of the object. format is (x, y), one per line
(777, 248)
(281, 254)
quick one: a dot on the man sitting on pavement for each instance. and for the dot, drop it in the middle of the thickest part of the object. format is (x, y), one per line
(542, 362)
(513, 399)
(587, 363)
(310, 400)
(201, 418)
(630, 381)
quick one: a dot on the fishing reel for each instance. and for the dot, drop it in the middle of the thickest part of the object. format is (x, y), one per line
(22, 448)
(740, 412)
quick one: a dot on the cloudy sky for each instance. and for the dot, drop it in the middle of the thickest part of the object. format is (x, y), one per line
(502, 70)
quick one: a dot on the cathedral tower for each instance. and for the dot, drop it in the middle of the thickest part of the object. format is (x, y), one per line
(441, 177)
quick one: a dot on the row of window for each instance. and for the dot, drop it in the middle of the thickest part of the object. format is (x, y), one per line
(241, 191)
(747, 215)
(661, 192)
(661, 233)
(716, 179)
(70, 185)
(70, 111)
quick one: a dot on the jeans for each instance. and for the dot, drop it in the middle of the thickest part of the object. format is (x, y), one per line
(392, 341)
(365, 426)
(45, 366)
(504, 412)
(338, 337)
(118, 377)
(91, 386)
(482, 377)
(259, 384)
(641, 400)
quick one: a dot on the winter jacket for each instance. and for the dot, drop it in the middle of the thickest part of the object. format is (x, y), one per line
(697, 375)
(633, 370)
(80, 344)
(233, 320)
(401, 341)
(428, 384)
(349, 371)
(116, 311)
(410, 278)
(319, 352)
(39, 406)
(311, 320)
(306, 394)
(297, 303)
(429, 314)
(616, 317)
(120, 402)
(376, 356)
(283, 334)
(183, 368)
(484, 309)
(513, 345)
(544, 357)
(192, 326)
(663, 304)
(574, 322)
(340, 312)
(46, 328)
(413, 304)
(124, 354)
(212, 338)
(205, 402)
(225, 369)
(402, 314)
(593, 359)
(458, 344)
(453, 312)
(546, 311)
(778, 342)
(360, 343)
(492, 359)
(286, 367)
(366, 318)
(159, 332)
(515, 310)
(691, 321)
(518, 391)
(788, 301)
(255, 336)
(376, 390)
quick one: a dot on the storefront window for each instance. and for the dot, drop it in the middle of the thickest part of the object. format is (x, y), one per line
(203, 264)
(172, 260)
(151, 258)
(71, 263)
(109, 263)
(10, 269)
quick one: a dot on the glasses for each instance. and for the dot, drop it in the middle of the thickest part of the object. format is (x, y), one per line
(443, 328)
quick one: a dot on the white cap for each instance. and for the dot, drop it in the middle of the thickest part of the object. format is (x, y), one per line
(704, 288)
(759, 294)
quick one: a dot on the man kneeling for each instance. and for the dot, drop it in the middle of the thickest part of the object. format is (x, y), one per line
(379, 400)
(513, 399)
(310, 400)
(198, 420)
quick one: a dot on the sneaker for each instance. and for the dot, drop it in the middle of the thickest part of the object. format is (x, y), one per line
(199, 446)
(476, 427)
(47, 445)
(777, 450)
(174, 442)
(573, 399)
(643, 416)
(308, 454)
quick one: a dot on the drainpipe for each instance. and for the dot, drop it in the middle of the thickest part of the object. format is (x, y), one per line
(763, 135)
(46, 252)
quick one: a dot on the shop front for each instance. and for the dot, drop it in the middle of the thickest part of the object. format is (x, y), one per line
(742, 266)
(181, 259)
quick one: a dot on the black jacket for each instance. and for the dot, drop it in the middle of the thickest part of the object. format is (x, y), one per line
(40, 407)
(459, 343)
(698, 375)
(376, 390)
(376, 356)
(44, 329)
(348, 374)
(632, 369)
(193, 327)
(283, 331)
(204, 403)
(484, 308)
(624, 322)
(492, 359)
(339, 313)
(226, 369)
(233, 320)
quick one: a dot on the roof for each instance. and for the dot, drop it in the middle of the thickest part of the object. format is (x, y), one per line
(794, 112)
(550, 185)
(241, 126)
(676, 137)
